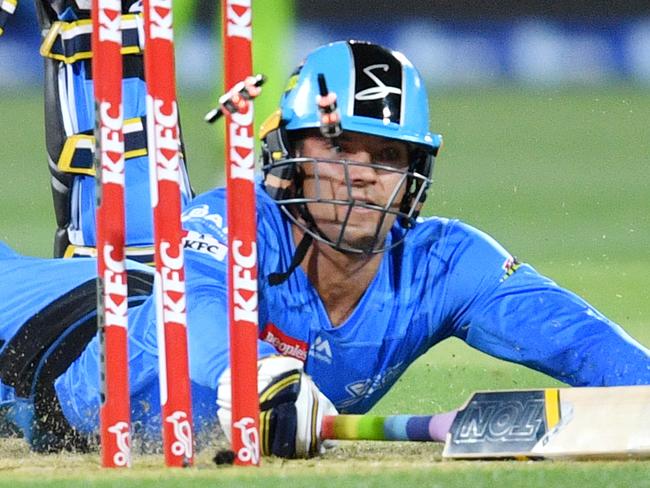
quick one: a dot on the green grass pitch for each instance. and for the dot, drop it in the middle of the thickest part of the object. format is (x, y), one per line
(559, 176)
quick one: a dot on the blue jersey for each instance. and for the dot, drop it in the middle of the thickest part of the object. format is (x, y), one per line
(446, 279)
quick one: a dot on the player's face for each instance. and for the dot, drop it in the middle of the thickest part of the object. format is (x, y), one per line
(361, 189)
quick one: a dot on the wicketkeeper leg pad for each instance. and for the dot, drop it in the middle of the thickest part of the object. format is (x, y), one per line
(69, 124)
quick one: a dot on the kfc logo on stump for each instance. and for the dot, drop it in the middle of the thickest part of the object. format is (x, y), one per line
(238, 14)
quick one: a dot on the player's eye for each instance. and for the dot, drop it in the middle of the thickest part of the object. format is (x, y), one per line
(393, 156)
(332, 146)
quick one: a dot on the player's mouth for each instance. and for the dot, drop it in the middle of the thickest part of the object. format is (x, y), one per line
(365, 206)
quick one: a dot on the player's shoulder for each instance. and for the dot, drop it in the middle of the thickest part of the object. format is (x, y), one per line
(207, 213)
(445, 236)
(214, 201)
(427, 229)
(435, 231)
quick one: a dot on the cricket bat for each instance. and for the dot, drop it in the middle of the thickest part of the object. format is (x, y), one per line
(552, 423)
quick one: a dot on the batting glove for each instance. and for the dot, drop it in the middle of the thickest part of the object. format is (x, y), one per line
(291, 408)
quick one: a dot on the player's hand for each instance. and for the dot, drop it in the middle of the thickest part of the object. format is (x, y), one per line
(291, 408)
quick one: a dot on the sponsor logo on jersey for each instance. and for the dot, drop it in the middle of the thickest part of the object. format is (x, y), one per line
(205, 244)
(286, 345)
(321, 350)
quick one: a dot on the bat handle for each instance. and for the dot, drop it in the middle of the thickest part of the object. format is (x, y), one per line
(422, 428)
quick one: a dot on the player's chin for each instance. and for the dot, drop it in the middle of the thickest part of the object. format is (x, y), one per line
(365, 237)
(365, 244)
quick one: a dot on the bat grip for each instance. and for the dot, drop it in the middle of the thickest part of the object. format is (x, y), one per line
(419, 428)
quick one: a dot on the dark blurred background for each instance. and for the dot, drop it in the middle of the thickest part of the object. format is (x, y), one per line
(451, 41)
(471, 9)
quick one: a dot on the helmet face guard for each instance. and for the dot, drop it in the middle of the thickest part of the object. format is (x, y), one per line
(380, 94)
(300, 208)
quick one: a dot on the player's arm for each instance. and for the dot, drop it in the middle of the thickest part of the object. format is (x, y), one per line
(291, 405)
(512, 312)
(48, 321)
(77, 385)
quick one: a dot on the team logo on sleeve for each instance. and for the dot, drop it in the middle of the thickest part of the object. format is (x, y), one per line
(510, 265)
(201, 218)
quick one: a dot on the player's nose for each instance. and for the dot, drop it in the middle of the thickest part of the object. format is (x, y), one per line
(362, 174)
(360, 169)
(359, 155)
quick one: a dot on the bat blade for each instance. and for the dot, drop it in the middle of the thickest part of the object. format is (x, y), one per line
(555, 423)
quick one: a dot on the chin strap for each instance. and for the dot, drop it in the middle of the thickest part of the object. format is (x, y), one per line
(278, 278)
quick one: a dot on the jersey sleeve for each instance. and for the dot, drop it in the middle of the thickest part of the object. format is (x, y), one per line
(512, 312)
(206, 259)
(205, 250)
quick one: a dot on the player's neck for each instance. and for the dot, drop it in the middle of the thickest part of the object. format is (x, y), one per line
(339, 278)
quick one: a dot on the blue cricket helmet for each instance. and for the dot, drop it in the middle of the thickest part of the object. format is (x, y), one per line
(379, 93)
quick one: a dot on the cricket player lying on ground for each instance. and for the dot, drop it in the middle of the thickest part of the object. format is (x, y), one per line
(353, 287)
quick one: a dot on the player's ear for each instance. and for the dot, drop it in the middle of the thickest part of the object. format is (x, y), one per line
(295, 147)
(296, 141)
